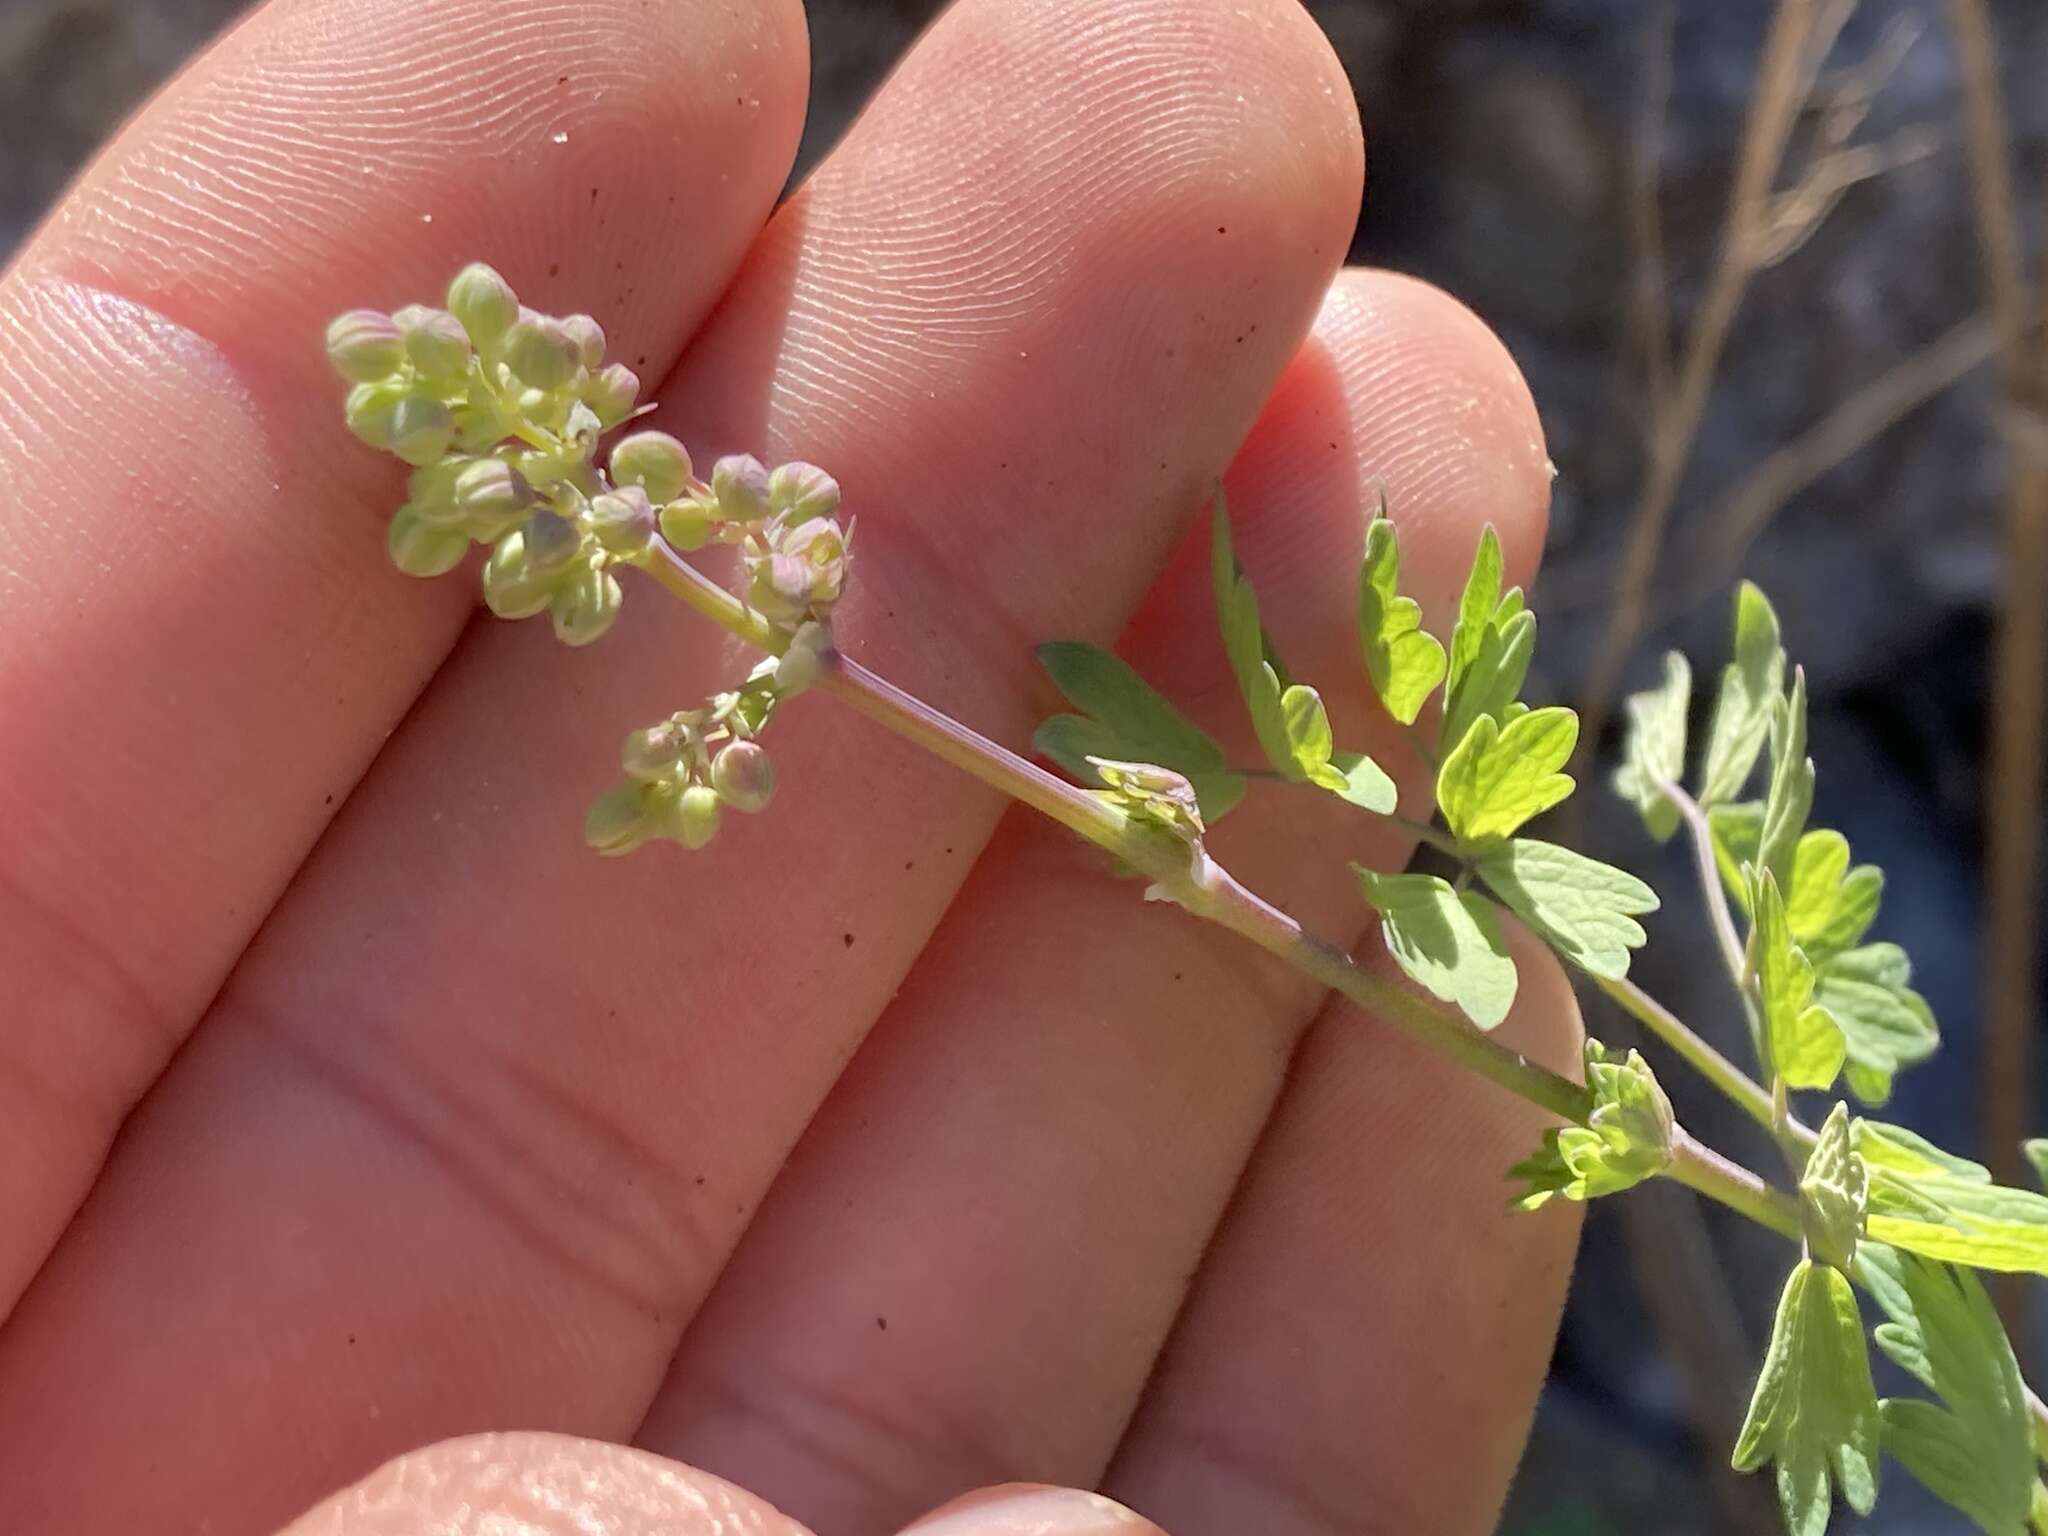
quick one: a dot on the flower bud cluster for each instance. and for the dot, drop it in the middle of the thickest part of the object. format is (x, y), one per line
(684, 772)
(1151, 796)
(791, 544)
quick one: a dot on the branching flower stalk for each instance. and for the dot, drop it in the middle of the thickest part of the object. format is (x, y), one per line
(500, 412)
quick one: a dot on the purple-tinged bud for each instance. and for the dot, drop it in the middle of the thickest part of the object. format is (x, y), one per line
(655, 752)
(542, 353)
(622, 521)
(371, 411)
(365, 346)
(740, 482)
(435, 341)
(654, 461)
(802, 491)
(588, 336)
(421, 429)
(513, 589)
(484, 304)
(744, 776)
(552, 542)
(612, 393)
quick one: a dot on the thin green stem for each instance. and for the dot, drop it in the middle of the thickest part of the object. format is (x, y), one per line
(1700, 1168)
(1709, 870)
(1737, 1086)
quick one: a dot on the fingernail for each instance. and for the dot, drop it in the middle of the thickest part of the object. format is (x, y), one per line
(1024, 1510)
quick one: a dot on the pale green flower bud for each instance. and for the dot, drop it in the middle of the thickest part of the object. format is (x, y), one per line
(552, 542)
(692, 817)
(493, 493)
(480, 425)
(434, 340)
(620, 820)
(622, 521)
(430, 491)
(744, 776)
(513, 589)
(687, 523)
(778, 586)
(588, 336)
(584, 605)
(418, 548)
(421, 429)
(798, 667)
(612, 393)
(802, 491)
(365, 345)
(653, 461)
(740, 482)
(655, 752)
(371, 412)
(484, 304)
(542, 353)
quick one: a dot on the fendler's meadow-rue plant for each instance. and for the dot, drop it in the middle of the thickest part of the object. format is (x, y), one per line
(500, 412)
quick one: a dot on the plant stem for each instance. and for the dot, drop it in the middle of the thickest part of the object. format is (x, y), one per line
(1699, 1167)
(1737, 1086)
(1709, 869)
(1212, 892)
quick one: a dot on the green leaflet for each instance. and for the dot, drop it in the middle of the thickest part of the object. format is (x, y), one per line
(1244, 642)
(1448, 941)
(1750, 686)
(1125, 719)
(1585, 909)
(1500, 776)
(1885, 1024)
(1894, 1149)
(1974, 1447)
(1404, 661)
(1477, 607)
(1960, 1220)
(1288, 718)
(1495, 676)
(1791, 793)
(1834, 1189)
(1655, 751)
(1626, 1138)
(1815, 1411)
(1737, 830)
(1804, 1043)
(1829, 905)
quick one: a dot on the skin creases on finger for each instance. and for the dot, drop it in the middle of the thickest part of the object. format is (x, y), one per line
(202, 641)
(479, 1117)
(966, 1269)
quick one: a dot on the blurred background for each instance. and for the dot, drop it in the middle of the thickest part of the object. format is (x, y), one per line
(1774, 273)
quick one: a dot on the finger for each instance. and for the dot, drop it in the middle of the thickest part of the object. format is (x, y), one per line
(966, 1271)
(495, 1111)
(553, 1485)
(204, 643)
(1364, 1345)
(539, 1485)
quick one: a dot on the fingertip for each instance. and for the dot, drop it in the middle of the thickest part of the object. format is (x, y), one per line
(1032, 1509)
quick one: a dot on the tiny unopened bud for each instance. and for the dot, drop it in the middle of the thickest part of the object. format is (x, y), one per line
(744, 776)
(619, 820)
(371, 412)
(421, 429)
(484, 304)
(513, 589)
(365, 345)
(653, 461)
(655, 752)
(740, 482)
(542, 353)
(584, 605)
(779, 586)
(692, 818)
(479, 425)
(430, 491)
(612, 393)
(801, 492)
(434, 340)
(551, 542)
(588, 336)
(687, 523)
(418, 548)
(492, 490)
(622, 521)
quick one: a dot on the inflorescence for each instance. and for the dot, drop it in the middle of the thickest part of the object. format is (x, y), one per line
(500, 410)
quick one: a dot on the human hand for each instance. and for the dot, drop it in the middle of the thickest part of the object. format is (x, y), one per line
(433, 1122)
